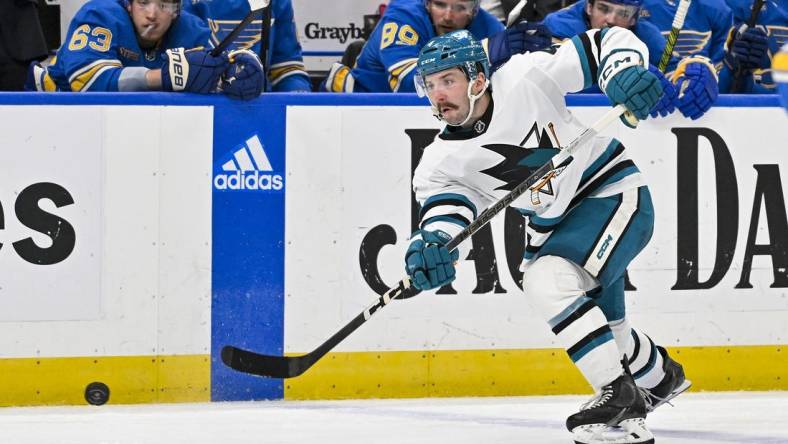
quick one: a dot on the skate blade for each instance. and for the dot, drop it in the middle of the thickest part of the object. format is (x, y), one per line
(629, 431)
(679, 390)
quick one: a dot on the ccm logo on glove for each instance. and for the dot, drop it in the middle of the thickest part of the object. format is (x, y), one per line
(615, 63)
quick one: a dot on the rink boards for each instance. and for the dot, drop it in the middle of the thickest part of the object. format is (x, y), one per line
(140, 233)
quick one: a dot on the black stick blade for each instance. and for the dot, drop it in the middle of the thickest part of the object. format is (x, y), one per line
(262, 365)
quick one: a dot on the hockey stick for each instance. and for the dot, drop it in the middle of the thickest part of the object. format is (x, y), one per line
(255, 6)
(290, 366)
(678, 23)
(265, 37)
(514, 14)
(738, 76)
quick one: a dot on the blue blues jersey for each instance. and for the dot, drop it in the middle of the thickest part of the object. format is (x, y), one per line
(704, 30)
(572, 20)
(773, 17)
(285, 62)
(780, 74)
(101, 42)
(463, 172)
(388, 61)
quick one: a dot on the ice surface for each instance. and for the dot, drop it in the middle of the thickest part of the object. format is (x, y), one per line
(698, 418)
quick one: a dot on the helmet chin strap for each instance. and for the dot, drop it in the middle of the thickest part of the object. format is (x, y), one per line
(471, 97)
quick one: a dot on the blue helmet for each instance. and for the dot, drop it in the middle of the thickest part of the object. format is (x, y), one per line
(457, 49)
(454, 49)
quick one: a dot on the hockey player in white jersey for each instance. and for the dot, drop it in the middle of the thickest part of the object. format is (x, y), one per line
(588, 218)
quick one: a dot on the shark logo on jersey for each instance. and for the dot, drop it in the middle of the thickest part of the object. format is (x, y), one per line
(247, 168)
(545, 184)
(518, 163)
(542, 139)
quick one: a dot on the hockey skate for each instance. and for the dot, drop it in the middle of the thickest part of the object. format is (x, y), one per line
(616, 415)
(672, 385)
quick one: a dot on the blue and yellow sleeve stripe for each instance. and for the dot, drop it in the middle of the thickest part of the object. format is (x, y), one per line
(399, 71)
(83, 78)
(281, 71)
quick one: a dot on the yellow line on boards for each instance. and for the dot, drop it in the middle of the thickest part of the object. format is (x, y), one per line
(410, 374)
(131, 379)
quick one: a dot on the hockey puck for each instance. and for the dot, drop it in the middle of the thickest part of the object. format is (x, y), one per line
(97, 393)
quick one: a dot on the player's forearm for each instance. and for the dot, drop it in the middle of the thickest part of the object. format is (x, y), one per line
(139, 78)
(128, 79)
(153, 79)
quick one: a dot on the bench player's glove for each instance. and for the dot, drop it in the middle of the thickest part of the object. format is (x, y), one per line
(244, 78)
(696, 82)
(747, 48)
(192, 70)
(519, 39)
(428, 262)
(667, 102)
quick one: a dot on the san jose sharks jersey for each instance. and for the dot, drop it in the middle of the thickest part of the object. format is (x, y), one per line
(705, 26)
(285, 62)
(101, 42)
(773, 17)
(572, 20)
(388, 61)
(462, 173)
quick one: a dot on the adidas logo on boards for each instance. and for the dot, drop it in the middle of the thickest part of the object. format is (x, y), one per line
(248, 169)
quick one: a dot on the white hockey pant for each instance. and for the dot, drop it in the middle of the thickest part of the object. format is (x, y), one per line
(557, 288)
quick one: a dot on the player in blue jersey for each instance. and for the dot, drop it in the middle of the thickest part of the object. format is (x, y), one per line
(286, 65)
(699, 46)
(587, 218)
(749, 50)
(388, 60)
(582, 16)
(142, 45)
(780, 74)
(705, 26)
(695, 79)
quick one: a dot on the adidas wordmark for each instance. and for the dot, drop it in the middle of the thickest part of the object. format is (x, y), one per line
(249, 169)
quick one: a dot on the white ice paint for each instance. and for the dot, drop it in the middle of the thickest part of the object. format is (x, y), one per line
(696, 419)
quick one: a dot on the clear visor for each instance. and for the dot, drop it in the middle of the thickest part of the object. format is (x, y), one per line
(434, 83)
(170, 7)
(624, 12)
(421, 88)
(461, 7)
